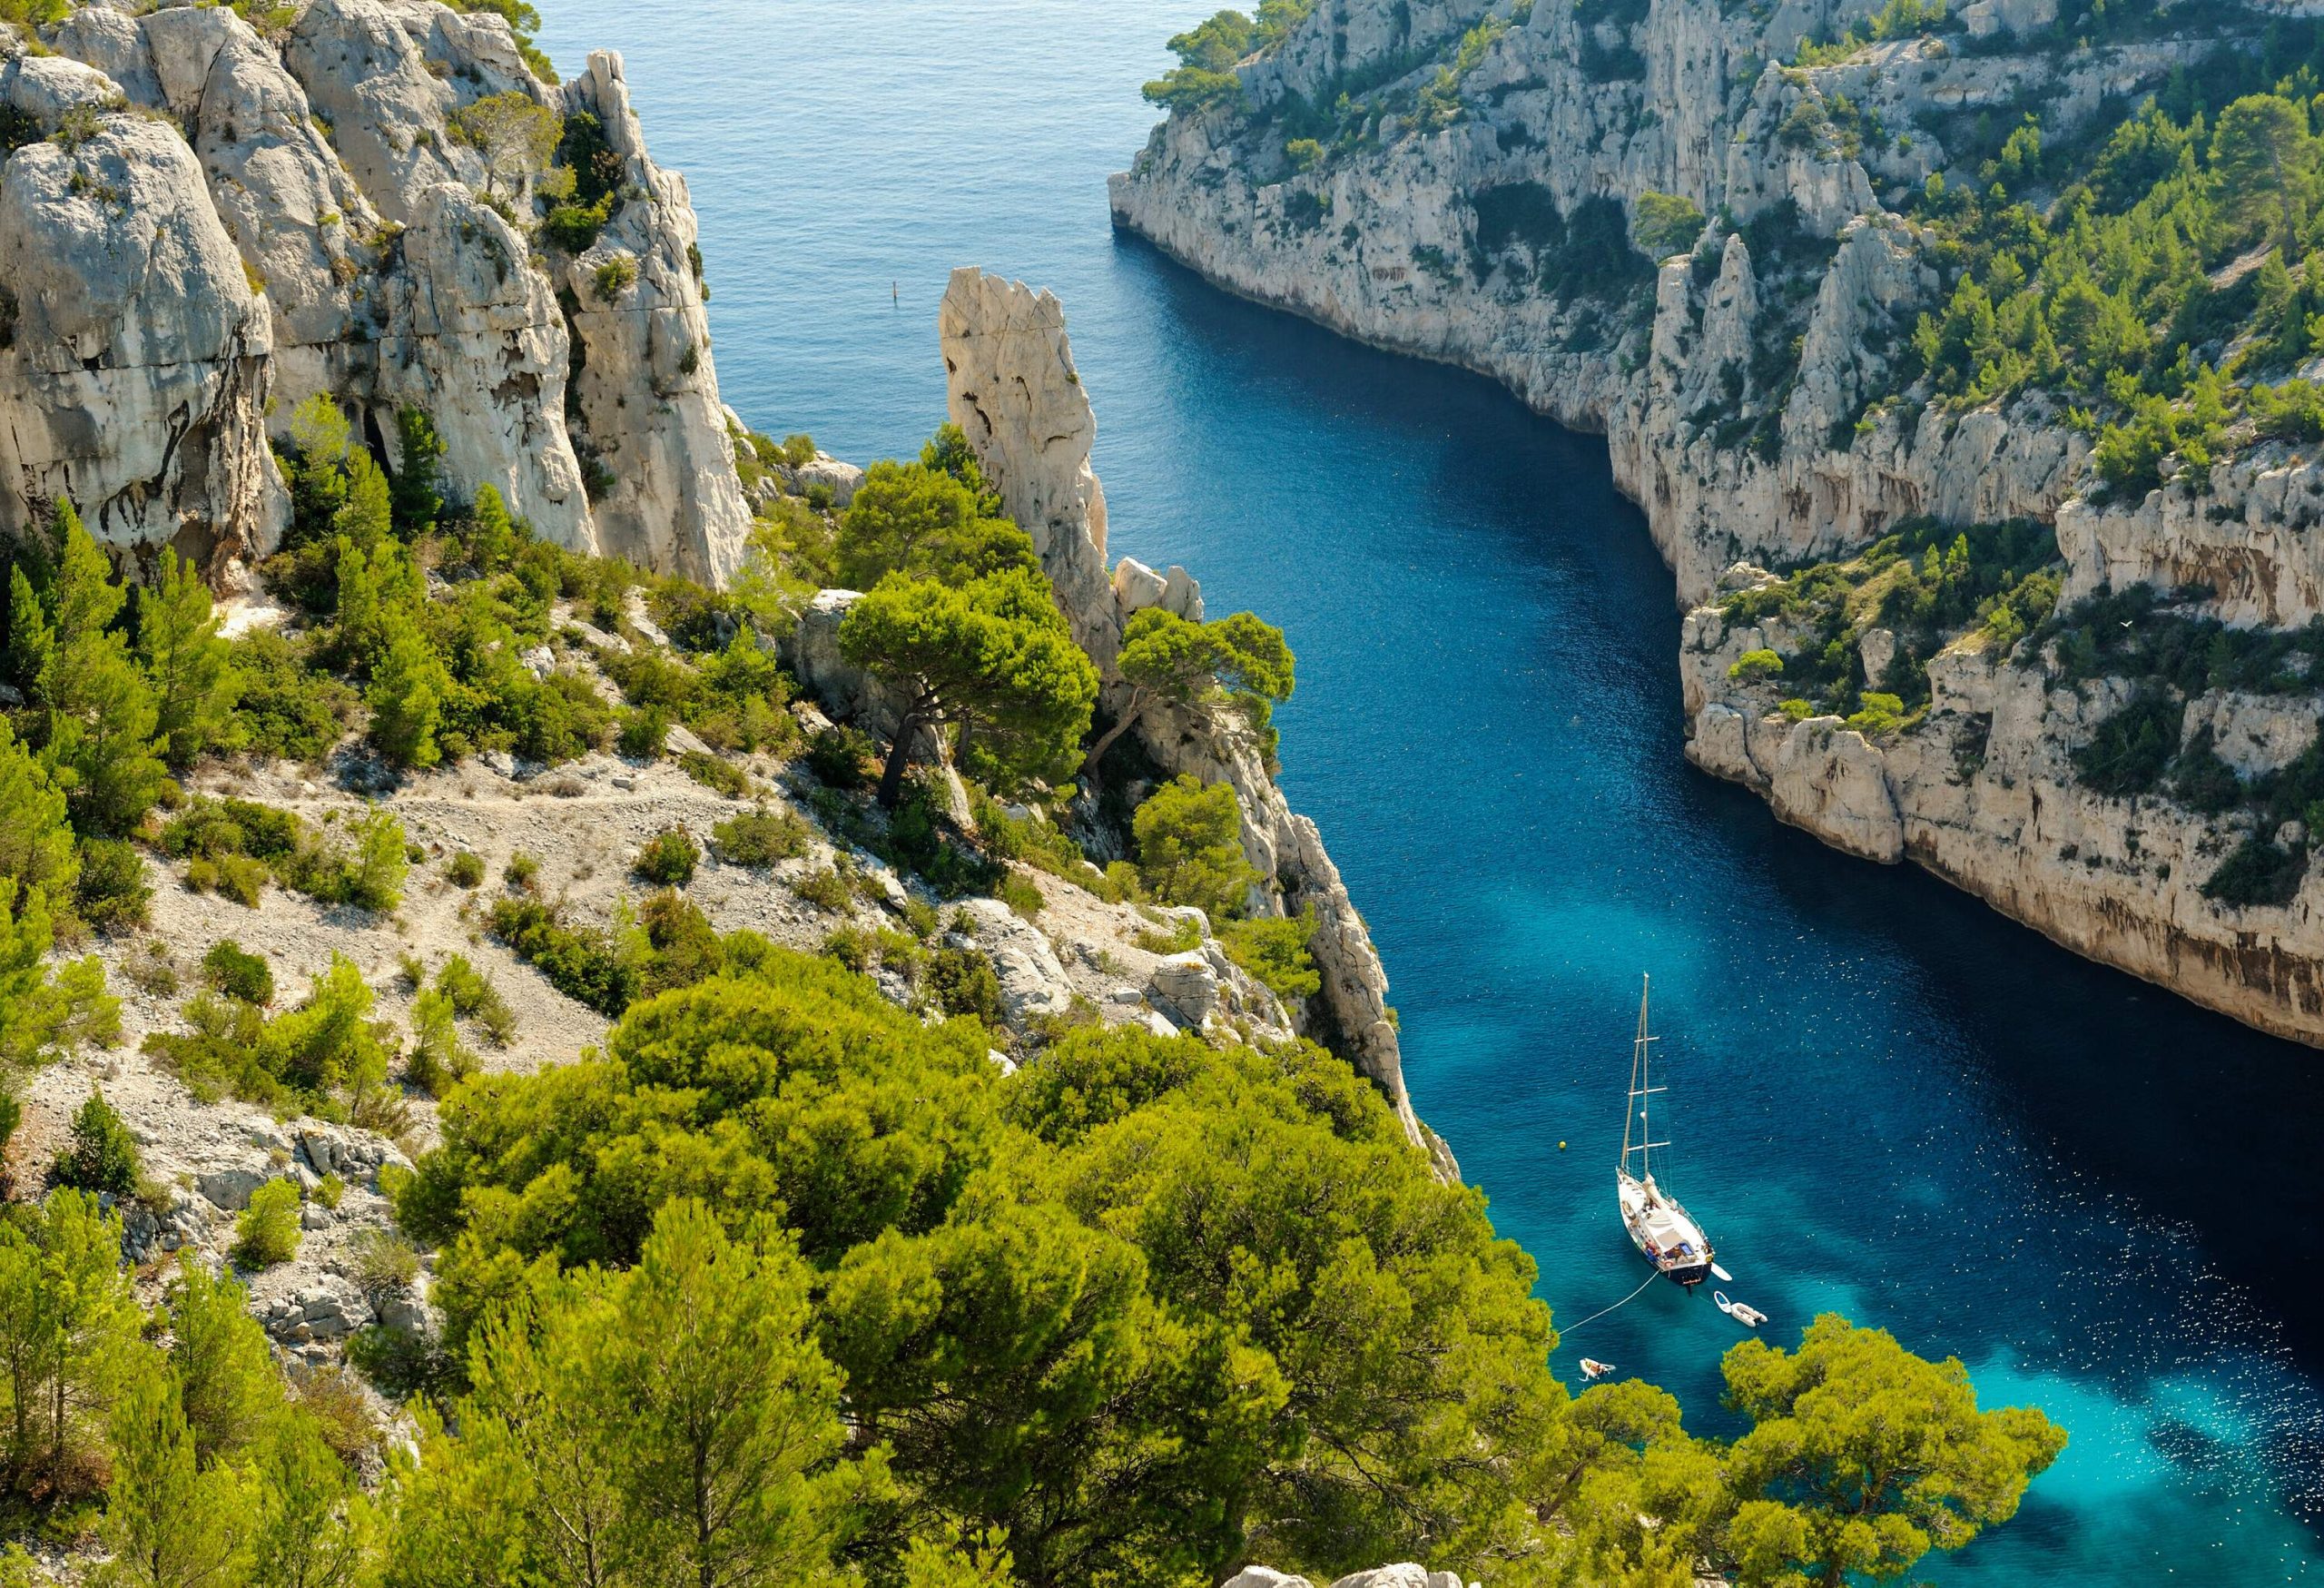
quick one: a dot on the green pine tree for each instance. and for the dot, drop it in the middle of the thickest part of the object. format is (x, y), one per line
(409, 688)
(189, 664)
(168, 1523)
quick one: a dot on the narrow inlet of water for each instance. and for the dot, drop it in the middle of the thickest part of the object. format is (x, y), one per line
(1886, 1099)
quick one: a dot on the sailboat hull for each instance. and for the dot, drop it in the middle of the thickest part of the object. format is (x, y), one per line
(1664, 1233)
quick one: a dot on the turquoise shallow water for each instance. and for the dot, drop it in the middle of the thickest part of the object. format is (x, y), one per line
(1886, 1099)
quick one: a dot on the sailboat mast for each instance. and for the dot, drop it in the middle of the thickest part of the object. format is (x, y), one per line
(1645, 1073)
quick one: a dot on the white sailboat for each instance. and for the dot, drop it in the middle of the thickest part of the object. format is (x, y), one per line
(1665, 1234)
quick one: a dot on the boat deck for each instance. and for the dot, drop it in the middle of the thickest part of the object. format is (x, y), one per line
(1663, 1229)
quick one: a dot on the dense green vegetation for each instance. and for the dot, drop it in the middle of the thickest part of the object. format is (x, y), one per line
(2166, 292)
(1196, 1249)
(1926, 583)
(791, 1283)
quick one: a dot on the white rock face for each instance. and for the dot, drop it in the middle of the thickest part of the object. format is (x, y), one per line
(472, 324)
(1983, 791)
(135, 378)
(360, 261)
(1012, 387)
(647, 390)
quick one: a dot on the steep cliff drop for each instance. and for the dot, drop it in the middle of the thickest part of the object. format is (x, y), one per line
(1015, 392)
(1463, 182)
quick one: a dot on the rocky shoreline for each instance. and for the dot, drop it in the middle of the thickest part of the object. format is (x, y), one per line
(1400, 244)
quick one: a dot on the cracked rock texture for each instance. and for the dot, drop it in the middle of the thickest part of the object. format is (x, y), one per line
(235, 223)
(1015, 392)
(1740, 446)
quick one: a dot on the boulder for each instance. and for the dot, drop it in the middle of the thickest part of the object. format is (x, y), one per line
(1032, 981)
(1265, 1578)
(1405, 1574)
(231, 1189)
(841, 479)
(1877, 648)
(1186, 985)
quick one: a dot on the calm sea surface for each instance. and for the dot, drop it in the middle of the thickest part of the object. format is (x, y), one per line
(1887, 1100)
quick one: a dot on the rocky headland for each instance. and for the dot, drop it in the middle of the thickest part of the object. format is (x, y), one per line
(1486, 184)
(206, 224)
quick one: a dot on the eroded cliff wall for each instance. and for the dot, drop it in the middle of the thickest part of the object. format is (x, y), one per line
(202, 225)
(1750, 398)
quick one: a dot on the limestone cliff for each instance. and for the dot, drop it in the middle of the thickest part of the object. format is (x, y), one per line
(1473, 206)
(202, 225)
(1015, 392)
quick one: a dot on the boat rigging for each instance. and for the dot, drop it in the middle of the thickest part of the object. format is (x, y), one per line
(1665, 1233)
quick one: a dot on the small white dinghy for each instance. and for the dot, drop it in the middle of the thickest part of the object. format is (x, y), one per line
(1594, 1370)
(1747, 1315)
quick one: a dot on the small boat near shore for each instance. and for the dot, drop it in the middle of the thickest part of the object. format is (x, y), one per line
(1593, 1370)
(1749, 1316)
(1664, 1232)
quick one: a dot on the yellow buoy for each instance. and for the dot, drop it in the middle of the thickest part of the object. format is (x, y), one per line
(1561, 1147)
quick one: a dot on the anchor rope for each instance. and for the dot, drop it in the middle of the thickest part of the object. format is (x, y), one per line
(1567, 1332)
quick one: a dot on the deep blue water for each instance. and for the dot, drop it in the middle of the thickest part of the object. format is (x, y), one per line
(1886, 1099)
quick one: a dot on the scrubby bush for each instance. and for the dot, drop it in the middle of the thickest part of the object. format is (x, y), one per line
(669, 857)
(644, 734)
(963, 982)
(103, 1155)
(841, 756)
(1879, 713)
(586, 964)
(267, 1232)
(759, 837)
(234, 971)
(1752, 667)
(438, 1058)
(1274, 949)
(111, 893)
(521, 872)
(474, 997)
(616, 276)
(464, 870)
(2258, 873)
(714, 772)
(823, 887)
(1190, 847)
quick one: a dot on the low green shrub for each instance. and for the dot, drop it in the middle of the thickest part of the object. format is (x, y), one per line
(713, 772)
(644, 734)
(585, 966)
(1020, 894)
(111, 894)
(1274, 949)
(101, 1156)
(842, 757)
(1180, 935)
(267, 1232)
(825, 888)
(2258, 873)
(465, 870)
(439, 1059)
(234, 971)
(759, 837)
(474, 997)
(669, 857)
(963, 982)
